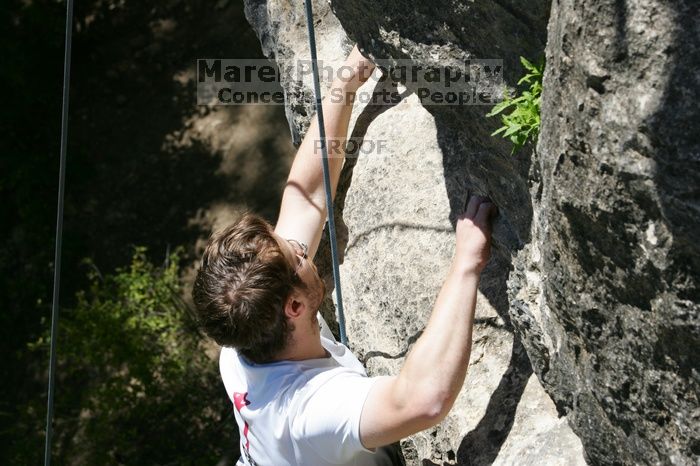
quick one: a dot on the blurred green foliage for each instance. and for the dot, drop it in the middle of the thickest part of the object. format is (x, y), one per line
(135, 385)
(522, 124)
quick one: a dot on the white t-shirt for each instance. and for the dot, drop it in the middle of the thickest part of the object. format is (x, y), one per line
(304, 413)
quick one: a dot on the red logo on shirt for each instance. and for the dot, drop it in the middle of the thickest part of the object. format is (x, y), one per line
(240, 401)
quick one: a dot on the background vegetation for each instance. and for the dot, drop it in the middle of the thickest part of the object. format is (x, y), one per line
(136, 383)
(141, 386)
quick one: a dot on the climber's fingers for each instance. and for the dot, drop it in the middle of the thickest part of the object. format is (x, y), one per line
(487, 210)
(473, 202)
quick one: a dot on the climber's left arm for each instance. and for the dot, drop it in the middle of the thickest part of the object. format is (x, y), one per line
(303, 210)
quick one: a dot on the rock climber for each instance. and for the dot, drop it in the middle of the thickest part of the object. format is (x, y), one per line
(299, 397)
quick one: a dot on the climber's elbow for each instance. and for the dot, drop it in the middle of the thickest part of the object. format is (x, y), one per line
(441, 402)
(431, 404)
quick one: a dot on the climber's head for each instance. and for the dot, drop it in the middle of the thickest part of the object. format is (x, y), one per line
(249, 284)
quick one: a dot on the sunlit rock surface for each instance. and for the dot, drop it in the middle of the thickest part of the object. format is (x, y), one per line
(591, 281)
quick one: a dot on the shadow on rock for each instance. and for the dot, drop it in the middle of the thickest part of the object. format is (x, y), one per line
(482, 445)
(477, 163)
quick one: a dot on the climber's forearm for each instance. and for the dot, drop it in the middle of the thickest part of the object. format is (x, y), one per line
(437, 365)
(306, 175)
(434, 371)
(303, 209)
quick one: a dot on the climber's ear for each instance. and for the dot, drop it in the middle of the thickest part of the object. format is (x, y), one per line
(294, 306)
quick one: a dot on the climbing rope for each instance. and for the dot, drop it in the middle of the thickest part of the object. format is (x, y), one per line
(59, 231)
(326, 176)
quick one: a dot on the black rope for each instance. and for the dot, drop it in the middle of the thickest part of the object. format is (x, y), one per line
(326, 176)
(59, 231)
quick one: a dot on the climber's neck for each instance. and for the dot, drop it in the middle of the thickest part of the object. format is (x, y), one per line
(305, 343)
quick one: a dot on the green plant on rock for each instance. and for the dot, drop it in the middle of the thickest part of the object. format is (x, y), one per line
(522, 124)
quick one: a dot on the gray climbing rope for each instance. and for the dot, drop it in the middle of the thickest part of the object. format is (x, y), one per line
(326, 176)
(59, 231)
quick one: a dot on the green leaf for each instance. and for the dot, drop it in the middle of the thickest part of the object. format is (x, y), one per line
(499, 107)
(528, 66)
(527, 78)
(512, 130)
(499, 130)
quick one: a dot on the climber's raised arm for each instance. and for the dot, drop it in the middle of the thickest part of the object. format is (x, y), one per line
(434, 371)
(303, 210)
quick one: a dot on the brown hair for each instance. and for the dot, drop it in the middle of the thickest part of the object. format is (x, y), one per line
(241, 287)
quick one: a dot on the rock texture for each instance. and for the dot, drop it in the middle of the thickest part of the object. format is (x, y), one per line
(596, 242)
(606, 292)
(395, 214)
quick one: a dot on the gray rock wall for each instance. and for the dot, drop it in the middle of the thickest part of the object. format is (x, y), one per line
(606, 292)
(595, 246)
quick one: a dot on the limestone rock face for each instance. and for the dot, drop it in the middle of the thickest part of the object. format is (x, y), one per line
(590, 282)
(605, 294)
(395, 211)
